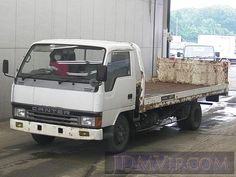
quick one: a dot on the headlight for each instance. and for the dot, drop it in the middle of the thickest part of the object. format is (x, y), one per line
(19, 112)
(88, 121)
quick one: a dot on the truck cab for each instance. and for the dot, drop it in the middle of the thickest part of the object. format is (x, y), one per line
(74, 88)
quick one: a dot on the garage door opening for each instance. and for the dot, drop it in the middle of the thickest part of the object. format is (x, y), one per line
(204, 22)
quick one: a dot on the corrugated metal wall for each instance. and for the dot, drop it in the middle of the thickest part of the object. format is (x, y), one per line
(25, 21)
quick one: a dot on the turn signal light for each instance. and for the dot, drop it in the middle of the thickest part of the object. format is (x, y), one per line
(98, 123)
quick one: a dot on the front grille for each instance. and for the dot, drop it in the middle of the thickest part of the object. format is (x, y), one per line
(69, 120)
(54, 115)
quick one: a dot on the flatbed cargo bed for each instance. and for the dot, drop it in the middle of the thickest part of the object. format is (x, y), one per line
(179, 81)
(159, 94)
(163, 88)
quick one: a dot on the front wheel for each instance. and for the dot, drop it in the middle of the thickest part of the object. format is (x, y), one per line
(120, 138)
(43, 139)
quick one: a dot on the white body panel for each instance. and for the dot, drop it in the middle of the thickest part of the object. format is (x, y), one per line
(67, 99)
(116, 101)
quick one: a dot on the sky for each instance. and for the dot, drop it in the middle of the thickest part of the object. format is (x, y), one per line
(179, 4)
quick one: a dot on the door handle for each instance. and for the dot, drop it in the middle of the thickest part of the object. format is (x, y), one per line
(130, 96)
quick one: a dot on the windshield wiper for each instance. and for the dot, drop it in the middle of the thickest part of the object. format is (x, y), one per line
(40, 72)
(33, 75)
(73, 81)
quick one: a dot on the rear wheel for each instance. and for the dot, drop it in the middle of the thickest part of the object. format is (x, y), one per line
(120, 138)
(43, 139)
(194, 119)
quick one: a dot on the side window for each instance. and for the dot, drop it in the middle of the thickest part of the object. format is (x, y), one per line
(118, 66)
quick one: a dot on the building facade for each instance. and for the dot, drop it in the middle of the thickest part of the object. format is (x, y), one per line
(25, 21)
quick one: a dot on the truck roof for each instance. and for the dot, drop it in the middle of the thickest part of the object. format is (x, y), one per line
(95, 43)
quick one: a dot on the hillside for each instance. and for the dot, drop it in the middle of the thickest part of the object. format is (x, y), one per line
(216, 20)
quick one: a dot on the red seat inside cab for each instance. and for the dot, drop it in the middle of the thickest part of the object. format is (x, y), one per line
(56, 60)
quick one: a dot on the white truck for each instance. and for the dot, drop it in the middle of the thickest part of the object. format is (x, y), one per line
(96, 90)
(200, 52)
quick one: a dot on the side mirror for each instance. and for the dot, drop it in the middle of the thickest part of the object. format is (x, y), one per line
(5, 67)
(217, 54)
(102, 73)
(179, 54)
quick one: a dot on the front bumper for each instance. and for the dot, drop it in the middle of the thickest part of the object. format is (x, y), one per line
(56, 130)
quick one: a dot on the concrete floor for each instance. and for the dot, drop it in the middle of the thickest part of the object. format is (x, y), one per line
(20, 156)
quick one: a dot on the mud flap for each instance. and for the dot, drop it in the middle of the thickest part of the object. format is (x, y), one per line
(214, 98)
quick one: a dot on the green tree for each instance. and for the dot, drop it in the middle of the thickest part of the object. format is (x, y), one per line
(216, 20)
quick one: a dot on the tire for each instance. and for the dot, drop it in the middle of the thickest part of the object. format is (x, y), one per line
(121, 133)
(43, 139)
(194, 119)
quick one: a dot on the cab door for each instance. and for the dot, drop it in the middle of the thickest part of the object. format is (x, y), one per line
(120, 87)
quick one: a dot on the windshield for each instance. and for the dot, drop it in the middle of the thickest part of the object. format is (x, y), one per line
(62, 63)
(199, 52)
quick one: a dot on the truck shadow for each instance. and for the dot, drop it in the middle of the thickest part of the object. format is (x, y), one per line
(72, 154)
(71, 149)
(74, 150)
(63, 148)
(149, 138)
